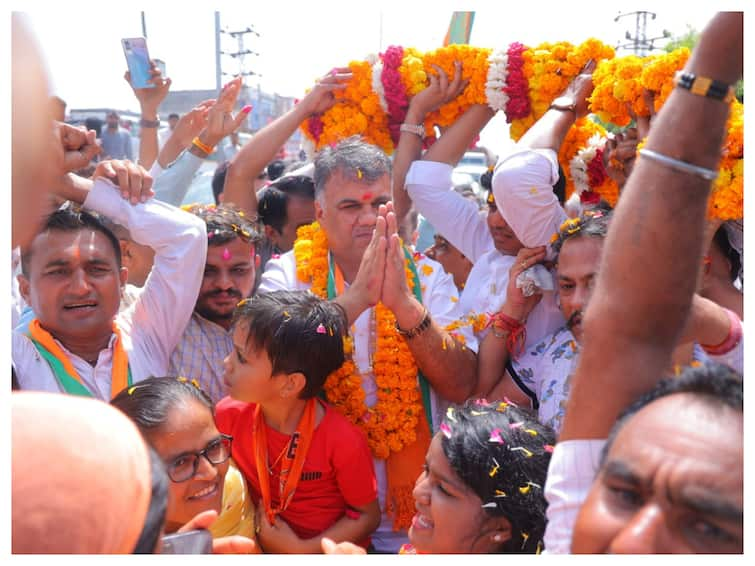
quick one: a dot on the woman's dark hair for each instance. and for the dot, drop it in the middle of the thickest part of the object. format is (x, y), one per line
(502, 454)
(149, 402)
(158, 506)
(721, 241)
(298, 331)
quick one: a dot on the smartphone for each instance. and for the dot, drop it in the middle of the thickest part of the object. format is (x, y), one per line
(192, 542)
(160, 64)
(137, 59)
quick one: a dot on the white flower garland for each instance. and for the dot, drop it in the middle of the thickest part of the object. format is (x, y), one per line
(498, 62)
(580, 162)
(308, 146)
(377, 84)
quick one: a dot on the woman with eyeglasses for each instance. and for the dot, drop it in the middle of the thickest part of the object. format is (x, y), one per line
(177, 419)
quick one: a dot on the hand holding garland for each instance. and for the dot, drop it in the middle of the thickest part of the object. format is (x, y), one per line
(251, 160)
(409, 149)
(657, 228)
(551, 129)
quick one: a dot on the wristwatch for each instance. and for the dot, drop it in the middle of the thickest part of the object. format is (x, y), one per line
(564, 103)
(418, 129)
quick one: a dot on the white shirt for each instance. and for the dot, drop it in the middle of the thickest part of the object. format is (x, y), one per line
(439, 296)
(571, 472)
(458, 220)
(152, 326)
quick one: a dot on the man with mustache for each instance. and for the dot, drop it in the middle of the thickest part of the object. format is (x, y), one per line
(228, 278)
(540, 376)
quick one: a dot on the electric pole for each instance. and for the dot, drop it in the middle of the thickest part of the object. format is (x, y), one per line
(239, 55)
(640, 43)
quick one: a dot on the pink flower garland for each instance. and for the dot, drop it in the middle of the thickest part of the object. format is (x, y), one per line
(315, 127)
(395, 92)
(518, 105)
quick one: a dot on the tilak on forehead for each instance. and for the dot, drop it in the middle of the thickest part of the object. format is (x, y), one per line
(227, 254)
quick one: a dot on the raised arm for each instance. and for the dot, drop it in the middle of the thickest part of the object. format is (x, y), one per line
(493, 382)
(409, 148)
(149, 101)
(188, 127)
(654, 247)
(261, 149)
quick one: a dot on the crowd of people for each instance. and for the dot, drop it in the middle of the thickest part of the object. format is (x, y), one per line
(287, 369)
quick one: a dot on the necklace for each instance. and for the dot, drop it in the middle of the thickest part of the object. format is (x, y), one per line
(272, 467)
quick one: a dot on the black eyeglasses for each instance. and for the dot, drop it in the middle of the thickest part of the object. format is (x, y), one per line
(185, 466)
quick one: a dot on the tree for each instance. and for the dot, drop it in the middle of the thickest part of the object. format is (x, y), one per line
(689, 39)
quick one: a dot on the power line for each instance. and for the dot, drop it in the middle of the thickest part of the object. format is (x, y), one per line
(640, 43)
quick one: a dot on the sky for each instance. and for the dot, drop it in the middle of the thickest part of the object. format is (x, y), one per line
(298, 42)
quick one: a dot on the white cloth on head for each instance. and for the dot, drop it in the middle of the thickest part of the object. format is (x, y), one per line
(523, 187)
(152, 326)
(459, 221)
(439, 296)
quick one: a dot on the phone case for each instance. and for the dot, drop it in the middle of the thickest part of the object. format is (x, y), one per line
(193, 542)
(137, 59)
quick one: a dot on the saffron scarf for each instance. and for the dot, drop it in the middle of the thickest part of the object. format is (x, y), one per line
(63, 369)
(292, 464)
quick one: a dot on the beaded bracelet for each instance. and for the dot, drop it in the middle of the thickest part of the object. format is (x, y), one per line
(423, 325)
(144, 123)
(704, 86)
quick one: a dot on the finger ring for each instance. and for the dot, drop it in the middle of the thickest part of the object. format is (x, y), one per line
(524, 265)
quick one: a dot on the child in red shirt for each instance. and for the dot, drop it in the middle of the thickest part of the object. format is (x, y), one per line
(310, 471)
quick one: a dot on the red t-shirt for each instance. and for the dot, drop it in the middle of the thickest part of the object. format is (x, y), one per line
(338, 471)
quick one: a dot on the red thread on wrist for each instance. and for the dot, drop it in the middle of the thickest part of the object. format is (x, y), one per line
(517, 332)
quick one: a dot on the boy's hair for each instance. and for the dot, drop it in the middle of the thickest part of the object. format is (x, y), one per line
(298, 331)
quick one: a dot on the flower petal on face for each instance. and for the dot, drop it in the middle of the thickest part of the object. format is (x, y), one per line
(446, 430)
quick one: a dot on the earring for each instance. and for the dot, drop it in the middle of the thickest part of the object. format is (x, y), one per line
(497, 538)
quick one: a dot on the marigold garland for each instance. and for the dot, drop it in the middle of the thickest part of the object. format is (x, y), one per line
(576, 139)
(658, 74)
(391, 423)
(617, 84)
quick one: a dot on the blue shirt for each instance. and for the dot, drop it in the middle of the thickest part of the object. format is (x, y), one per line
(116, 145)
